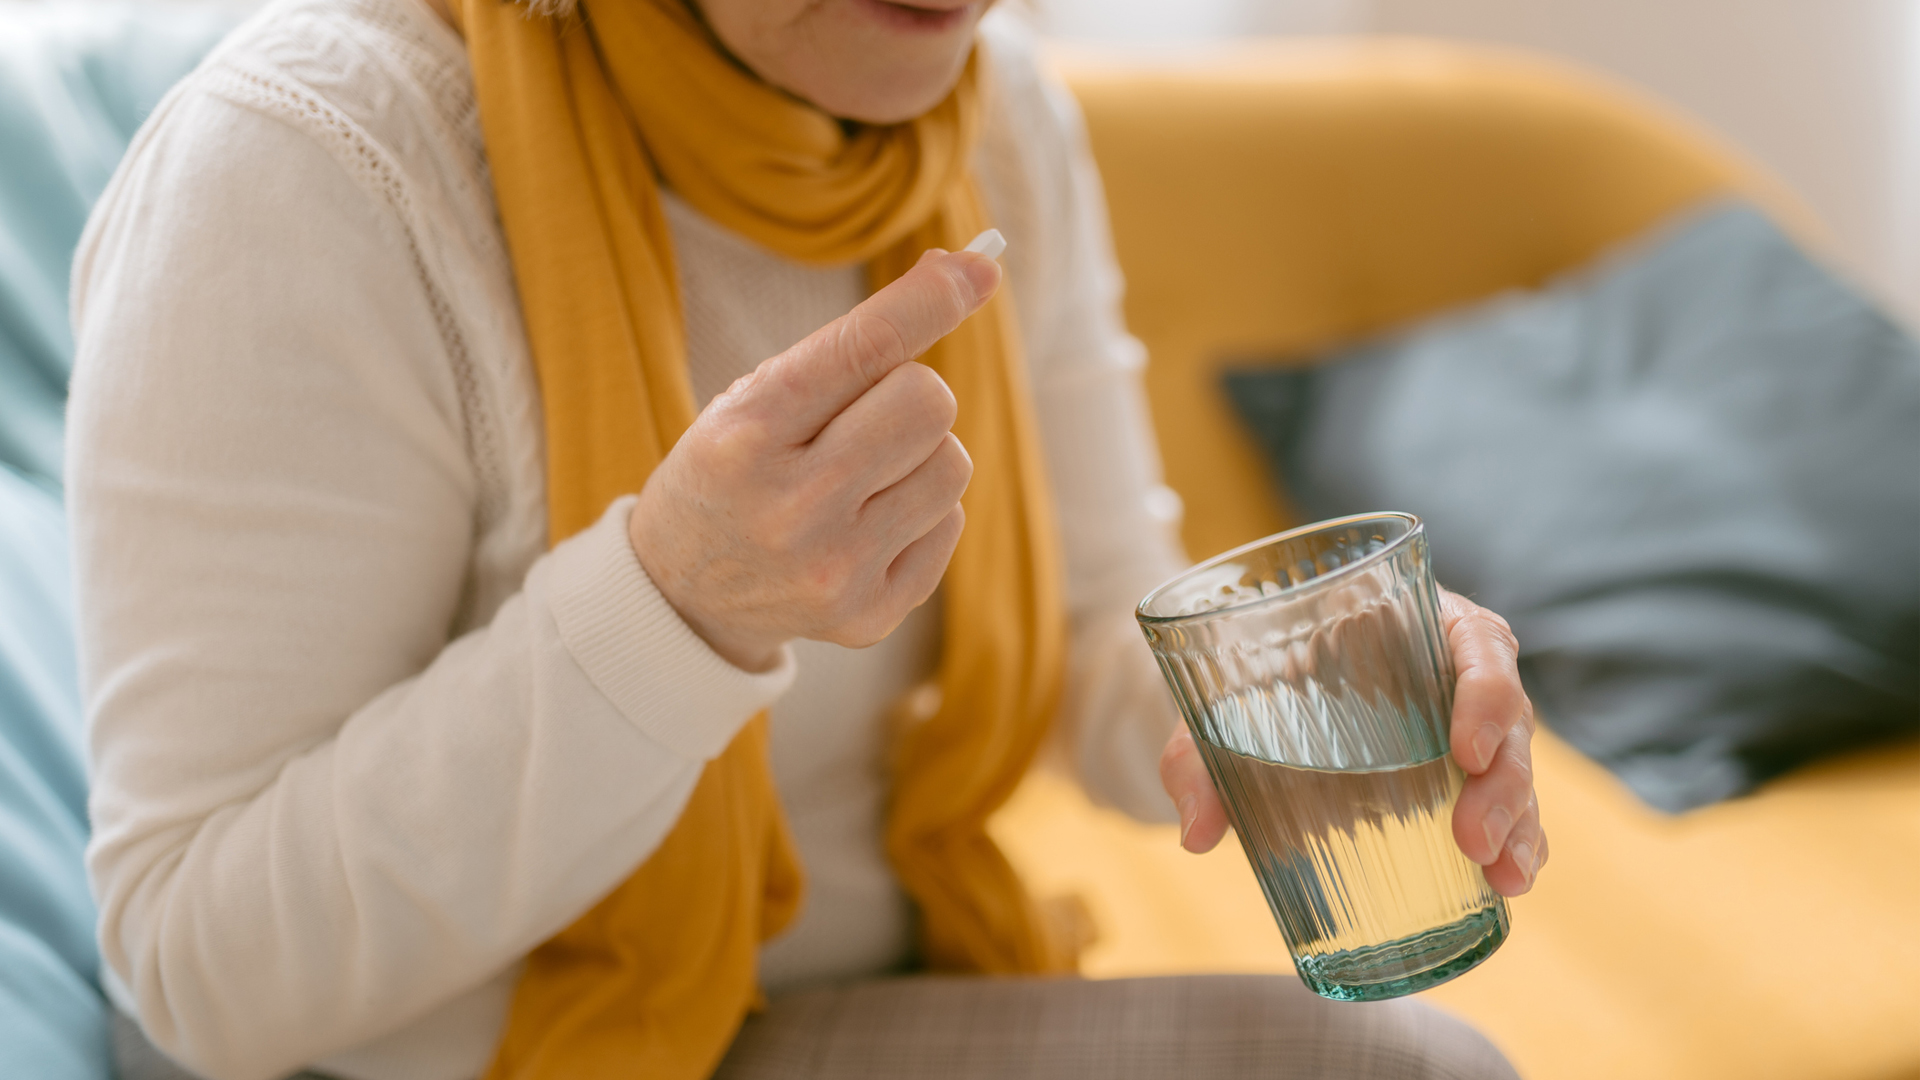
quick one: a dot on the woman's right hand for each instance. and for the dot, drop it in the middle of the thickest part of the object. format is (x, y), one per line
(819, 497)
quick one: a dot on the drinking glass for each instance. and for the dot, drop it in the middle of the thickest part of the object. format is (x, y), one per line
(1314, 672)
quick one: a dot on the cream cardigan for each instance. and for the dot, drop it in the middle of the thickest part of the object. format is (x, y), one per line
(359, 742)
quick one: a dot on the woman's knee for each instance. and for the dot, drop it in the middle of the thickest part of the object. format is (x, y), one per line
(1201, 1027)
(1384, 1040)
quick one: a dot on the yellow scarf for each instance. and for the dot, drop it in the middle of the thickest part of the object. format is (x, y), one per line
(585, 116)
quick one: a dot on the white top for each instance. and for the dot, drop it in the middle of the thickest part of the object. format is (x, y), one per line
(359, 741)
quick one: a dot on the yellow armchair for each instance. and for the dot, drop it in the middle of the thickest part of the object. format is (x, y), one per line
(1277, 198)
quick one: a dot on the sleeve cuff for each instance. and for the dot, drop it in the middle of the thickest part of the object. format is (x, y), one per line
(641, 654)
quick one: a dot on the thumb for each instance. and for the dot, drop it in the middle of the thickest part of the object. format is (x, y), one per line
(798, 392)
(1203, 821)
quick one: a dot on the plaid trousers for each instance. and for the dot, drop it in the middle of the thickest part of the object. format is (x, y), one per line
(1189, 1027)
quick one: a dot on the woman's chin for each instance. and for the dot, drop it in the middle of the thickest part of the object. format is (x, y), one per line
(871, 61)
(910, 83)
(885, 102)
(923, 18)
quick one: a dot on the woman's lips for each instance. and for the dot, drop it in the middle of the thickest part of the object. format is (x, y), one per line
(928, 18)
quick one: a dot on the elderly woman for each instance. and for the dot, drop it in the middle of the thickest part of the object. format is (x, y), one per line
(466, 697)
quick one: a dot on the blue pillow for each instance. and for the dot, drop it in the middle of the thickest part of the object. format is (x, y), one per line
(1690, 477)
(52, 1017)
(76, 80)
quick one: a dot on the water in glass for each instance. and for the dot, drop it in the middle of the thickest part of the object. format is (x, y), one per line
(1314, 673)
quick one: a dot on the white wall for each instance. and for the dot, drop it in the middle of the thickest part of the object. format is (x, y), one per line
(1906, 223)
(1826, 93)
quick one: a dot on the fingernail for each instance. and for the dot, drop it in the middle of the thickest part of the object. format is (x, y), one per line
(928, 254)
(1484, 744)
(1523, 858)
(1498, 824)
(989, 243)
(1189, 810)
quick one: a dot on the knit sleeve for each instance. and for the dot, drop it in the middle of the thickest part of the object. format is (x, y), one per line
(1118, 521)
(317, 818)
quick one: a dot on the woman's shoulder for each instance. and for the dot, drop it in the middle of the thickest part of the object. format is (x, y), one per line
(1035, 172)
(1026, 105)
(1031, 142)
(355, 115)
(380, 85)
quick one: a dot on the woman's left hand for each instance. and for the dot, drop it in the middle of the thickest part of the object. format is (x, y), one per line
(1497, 820)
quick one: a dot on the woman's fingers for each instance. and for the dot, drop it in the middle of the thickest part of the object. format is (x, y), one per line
(1488, 700)
(1497, 819)
(917, 570)
(905, 512)
(1487, 817)
(886, 434)
(1203, 821)
(1520, 860)
(796, 394)
(763, 525)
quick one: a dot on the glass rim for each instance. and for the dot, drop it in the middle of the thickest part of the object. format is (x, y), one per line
(1292, 592)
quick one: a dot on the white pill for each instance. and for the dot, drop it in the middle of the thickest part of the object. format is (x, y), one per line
(989, 243)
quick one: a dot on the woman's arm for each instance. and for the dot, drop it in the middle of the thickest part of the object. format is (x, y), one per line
(316, 816)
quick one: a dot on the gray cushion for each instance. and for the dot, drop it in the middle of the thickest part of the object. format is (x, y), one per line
(1690, 477)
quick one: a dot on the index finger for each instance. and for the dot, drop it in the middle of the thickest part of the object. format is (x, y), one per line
(1488, 700)
(802, 389)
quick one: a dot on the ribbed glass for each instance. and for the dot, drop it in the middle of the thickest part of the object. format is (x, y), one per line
(1314, 672)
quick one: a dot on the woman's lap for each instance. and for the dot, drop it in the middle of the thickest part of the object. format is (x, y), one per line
(136, 1058)
(1191, 1027)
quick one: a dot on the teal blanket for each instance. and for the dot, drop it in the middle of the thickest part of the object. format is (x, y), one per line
(76, 80)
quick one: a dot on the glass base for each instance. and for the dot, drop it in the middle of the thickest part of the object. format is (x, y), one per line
(1409, 965)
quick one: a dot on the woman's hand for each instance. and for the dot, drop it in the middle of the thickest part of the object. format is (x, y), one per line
(1497, 820)
(819, 497)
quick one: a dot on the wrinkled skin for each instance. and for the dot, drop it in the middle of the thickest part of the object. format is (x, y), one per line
(857, 59)
(819, 497)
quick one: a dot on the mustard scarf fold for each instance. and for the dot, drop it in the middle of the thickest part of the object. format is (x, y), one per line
(585, 116)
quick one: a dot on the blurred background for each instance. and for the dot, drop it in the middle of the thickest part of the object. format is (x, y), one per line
(1825, 93)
